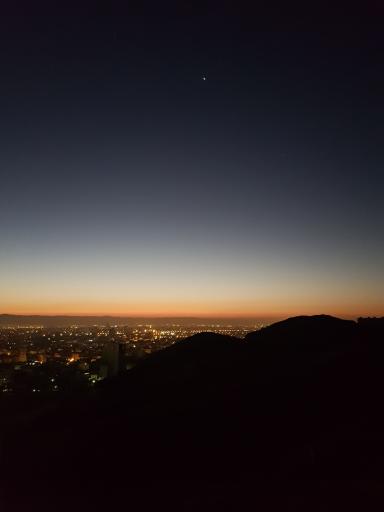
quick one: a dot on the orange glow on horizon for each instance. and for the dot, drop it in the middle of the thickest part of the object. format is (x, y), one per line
(201, 311)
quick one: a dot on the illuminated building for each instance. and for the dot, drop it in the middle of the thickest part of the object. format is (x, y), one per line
(74, 357)
(41, 358)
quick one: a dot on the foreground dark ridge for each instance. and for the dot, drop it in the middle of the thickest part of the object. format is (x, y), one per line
(289, 417)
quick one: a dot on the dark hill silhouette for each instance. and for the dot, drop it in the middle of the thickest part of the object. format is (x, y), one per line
(319, 333)
(305, 329)
(198, 357)
(290, 417)
(300, 344)
(206, 350)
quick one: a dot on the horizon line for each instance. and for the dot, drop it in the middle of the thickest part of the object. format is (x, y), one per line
(186, 317)
(147, 315)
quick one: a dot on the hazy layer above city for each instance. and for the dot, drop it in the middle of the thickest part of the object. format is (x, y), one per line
(71, 320)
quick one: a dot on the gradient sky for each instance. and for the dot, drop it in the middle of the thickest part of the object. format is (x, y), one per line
(131, 186)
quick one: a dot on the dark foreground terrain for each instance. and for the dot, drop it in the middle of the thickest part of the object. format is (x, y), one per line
(289, 419)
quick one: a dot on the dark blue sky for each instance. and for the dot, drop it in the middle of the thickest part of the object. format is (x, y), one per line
(131, 185)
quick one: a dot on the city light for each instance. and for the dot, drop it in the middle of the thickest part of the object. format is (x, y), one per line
(44, 359)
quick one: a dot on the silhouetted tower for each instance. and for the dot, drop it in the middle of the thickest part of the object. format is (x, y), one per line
(111, 359)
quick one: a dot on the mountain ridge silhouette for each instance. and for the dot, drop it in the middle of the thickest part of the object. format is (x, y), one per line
(296, 401)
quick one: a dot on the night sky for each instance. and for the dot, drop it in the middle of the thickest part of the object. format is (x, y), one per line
(130, 185)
